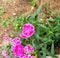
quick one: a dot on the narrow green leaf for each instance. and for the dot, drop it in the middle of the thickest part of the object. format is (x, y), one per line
(44, 54)
(52, 48)
(36, 14)
(43, 26)
(44, 51)
(49, 24)
(39, 10)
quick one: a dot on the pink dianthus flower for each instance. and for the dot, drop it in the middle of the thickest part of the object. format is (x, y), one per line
(4, 54)
(27, 30)
(25, 56)
(16, 40)
(18, 49)
(28, 49)
(5, 37)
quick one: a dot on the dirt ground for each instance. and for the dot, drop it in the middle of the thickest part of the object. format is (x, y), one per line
(15, 7)
(54, 5)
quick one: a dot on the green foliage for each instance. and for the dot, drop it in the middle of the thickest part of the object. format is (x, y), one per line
(33, 2)
(6, 22)
(46, 35)
(2, 10)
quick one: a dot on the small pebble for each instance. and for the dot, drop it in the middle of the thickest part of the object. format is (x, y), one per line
(14, 13)
(14, 2)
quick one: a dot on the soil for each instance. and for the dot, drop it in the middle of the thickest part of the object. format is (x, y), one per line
(54, 5)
